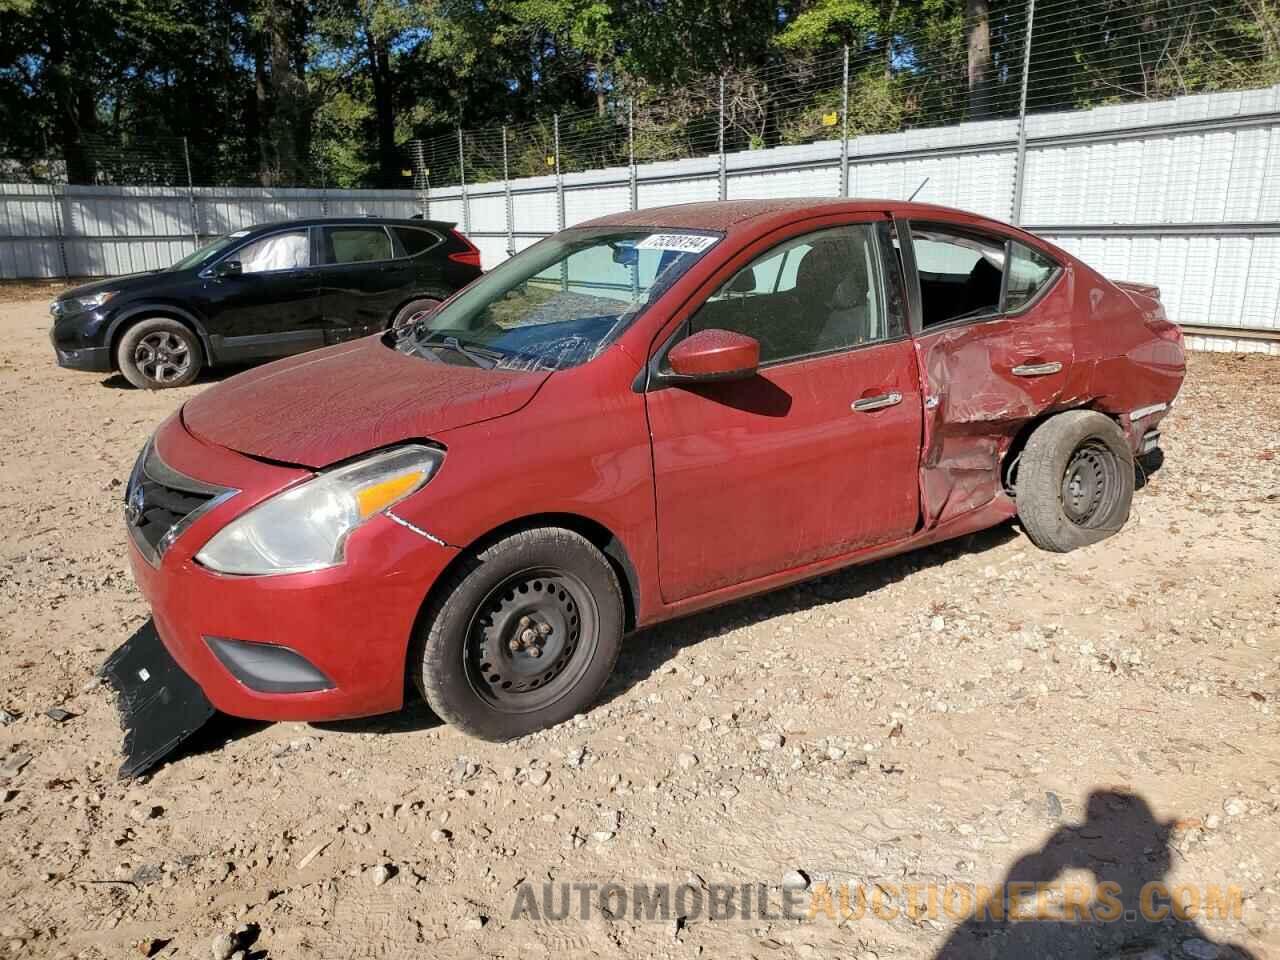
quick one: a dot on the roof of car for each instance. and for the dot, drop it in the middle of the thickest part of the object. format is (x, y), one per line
(353, 219)
(725, 215)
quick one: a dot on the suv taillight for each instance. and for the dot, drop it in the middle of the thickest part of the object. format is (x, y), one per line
(470, 256)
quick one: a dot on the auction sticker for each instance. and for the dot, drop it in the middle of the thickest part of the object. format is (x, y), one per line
(684, 242)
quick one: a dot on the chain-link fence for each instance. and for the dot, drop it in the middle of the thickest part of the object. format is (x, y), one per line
(1019, 58)
(1144, 136)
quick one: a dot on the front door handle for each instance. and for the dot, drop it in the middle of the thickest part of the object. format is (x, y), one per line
(1036, 369)
(867, 404)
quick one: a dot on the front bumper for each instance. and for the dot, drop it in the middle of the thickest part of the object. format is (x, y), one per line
(93, 359)
(80, 341)
(352, 623)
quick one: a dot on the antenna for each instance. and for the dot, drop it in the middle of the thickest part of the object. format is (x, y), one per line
(918, 189)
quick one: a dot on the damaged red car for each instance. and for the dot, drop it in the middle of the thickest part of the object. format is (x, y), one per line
(641, 416)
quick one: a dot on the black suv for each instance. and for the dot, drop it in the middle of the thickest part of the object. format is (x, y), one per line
(265, 292)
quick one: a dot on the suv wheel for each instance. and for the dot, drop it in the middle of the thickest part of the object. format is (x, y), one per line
(158, 353)
(412, 309)
(522, 637)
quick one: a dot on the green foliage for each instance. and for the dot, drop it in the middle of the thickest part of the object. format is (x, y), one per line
(332, 91)
(829, 23)
(877, 104)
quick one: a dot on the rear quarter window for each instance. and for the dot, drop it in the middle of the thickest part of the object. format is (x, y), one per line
(1029, 271)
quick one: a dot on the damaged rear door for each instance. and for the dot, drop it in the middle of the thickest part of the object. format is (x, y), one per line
(992, 320)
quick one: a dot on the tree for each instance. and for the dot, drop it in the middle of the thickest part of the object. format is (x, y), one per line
(978, 17)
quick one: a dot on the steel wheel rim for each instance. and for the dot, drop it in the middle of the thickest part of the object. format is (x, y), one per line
(162, 356)
(542, 608)
(1090, 484)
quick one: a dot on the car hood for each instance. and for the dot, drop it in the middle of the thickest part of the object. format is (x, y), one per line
(128, 281)
(322, 407)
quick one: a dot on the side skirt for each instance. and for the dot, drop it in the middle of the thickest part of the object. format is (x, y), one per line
(989, 515)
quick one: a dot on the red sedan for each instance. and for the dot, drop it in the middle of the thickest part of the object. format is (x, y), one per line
(642, 416)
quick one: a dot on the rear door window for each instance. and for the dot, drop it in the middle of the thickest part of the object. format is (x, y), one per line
(355, 244)
(961, 273)
(971, 275)
(415, 240)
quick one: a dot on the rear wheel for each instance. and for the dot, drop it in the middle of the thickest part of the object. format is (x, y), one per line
(409, 312)
(522, 637)
(158, 353)
(1075, 481)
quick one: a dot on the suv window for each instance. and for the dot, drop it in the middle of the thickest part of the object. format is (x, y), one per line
(967, 274)
(355, 244)
(1029, 271)
(280, 251)
(813, 294)
(415, 240)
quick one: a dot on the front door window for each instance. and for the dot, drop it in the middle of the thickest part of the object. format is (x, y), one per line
(280, 251)
(811, 295)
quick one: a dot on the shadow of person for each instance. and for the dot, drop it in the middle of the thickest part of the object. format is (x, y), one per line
(1126, 912)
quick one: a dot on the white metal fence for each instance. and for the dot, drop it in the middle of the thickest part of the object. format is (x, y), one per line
(1182, 193)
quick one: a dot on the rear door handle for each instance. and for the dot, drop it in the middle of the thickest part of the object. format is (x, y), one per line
(867, 404)
(1037, 369)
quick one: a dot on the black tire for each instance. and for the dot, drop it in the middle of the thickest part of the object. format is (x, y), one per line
(1075, 481)
(547, 589)
(158, 353)
(406, 313)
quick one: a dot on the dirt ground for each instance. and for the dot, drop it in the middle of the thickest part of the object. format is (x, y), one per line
(942, 718)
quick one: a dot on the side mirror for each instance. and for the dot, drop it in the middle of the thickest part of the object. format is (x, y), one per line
(228, 268)
(715, 355)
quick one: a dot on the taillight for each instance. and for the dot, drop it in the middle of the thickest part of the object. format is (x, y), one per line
(470, 256)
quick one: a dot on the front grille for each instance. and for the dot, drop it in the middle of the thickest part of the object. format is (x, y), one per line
(160, 503)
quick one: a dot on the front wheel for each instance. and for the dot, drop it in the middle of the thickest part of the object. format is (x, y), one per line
(158, 353)
(1075, 481)
(522, 637)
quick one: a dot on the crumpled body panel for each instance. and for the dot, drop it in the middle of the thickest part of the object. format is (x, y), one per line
(978, 396)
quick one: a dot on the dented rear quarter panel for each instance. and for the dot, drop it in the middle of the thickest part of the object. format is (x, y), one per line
(1138, 356)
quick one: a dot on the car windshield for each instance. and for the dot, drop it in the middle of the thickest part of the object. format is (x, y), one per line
(209, 251)
(557, 304)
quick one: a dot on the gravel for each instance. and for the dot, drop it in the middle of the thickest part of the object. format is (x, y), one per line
(932, 718)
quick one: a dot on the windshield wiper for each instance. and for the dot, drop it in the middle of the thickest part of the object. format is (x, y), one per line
(480, 357)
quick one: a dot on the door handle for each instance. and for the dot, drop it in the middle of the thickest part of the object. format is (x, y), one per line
(1036, 369)
(867, 404)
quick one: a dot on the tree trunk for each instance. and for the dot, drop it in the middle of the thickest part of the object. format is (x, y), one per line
(260, 116)
(979, 21)
(384, 110)
(287, 119)
(76, 102)
(602, 104)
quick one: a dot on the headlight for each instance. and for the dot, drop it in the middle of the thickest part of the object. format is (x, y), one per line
(81, 304)
(305, 527)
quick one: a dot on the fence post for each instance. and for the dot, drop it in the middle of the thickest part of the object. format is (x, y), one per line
(844, 127)
(724, 181)
(1020, 166)
(462, 178)
(631, 153)
(191, 195)
(58, 201)
(506, 193)
(421, 176)
(564, 266)
(559, 178)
